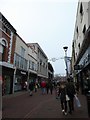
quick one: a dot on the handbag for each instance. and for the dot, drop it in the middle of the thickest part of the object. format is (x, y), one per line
(77, 101)
(67, 98)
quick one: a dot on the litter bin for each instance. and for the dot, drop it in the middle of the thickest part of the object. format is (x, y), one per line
(88, 104)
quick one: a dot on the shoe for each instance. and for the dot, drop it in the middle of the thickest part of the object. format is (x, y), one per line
(65, 113)
(70, 112)
(62, 110)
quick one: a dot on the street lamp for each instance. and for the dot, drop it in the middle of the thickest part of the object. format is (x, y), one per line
(65, 49)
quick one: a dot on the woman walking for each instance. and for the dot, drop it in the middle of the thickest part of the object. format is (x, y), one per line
(62, 93)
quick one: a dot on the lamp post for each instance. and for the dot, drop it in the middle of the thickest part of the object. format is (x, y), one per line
(65, 49)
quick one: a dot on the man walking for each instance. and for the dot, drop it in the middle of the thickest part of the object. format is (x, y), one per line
(70, 92)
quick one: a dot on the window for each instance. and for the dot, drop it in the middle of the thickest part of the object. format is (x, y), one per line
(81, 12)
(29, 63)
(3, 46)
(84, 30)
(22, 51)
(79, 45)
(77, 32)
(32, 65)
(40, 62)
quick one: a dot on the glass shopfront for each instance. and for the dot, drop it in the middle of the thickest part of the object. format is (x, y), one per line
(20, 79)
(84, 72)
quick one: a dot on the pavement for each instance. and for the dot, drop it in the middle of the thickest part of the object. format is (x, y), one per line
(21, 105)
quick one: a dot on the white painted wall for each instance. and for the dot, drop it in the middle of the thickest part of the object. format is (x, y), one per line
(20, 43)
(85, 21)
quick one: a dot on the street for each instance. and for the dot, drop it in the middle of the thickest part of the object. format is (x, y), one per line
(21, 105)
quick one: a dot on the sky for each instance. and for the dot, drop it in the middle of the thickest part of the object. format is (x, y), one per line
(50, 23)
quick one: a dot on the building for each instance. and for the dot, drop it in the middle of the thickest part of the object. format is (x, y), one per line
(50, 71)
(81, 47)
(42, 62)
(32, 63)
(20, 64)
(7, 48)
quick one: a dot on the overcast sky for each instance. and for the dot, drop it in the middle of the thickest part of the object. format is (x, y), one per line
(50, 23)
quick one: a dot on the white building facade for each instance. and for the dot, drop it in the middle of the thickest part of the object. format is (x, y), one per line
(32, 63)
(42, 62)
(20, 64)
(81, 46)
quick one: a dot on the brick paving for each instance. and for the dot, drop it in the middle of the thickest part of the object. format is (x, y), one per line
(21, 105)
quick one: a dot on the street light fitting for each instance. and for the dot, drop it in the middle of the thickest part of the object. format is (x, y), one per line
(65, 48)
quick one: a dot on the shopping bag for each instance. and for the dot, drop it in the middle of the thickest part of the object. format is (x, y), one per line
(67, 98)
(77, 101)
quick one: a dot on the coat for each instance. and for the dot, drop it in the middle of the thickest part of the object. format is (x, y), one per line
(43, 84)
(31, 86)
(62, 93)
(70, 89)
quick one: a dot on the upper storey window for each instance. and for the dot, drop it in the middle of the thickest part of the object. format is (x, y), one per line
(22, 52)
(77, 32)
(3, 46)
(6, 29)
(84, 31)
(81, 12)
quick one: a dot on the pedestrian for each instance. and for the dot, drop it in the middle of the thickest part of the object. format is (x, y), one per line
(43, 86)
(62, 93)
(47, 86)
(36, 87)
(51, 87)
(57, 90)
(31, 87)
(70, 88)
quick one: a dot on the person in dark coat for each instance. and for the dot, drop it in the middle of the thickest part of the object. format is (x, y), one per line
(62, 93)
(31, 87)
(51, 87)
(70, 92)
(47, 86)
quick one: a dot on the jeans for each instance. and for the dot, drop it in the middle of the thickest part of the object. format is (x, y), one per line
(64, 105)
(43, 90)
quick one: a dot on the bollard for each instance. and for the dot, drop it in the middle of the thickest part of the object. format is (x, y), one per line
(88, 104)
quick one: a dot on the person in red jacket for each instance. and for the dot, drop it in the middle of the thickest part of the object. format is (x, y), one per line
(43, 87)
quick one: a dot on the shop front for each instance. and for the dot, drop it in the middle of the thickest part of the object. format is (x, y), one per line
(20, 81)
(7, 80)
(33, 77)
(83, 74)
